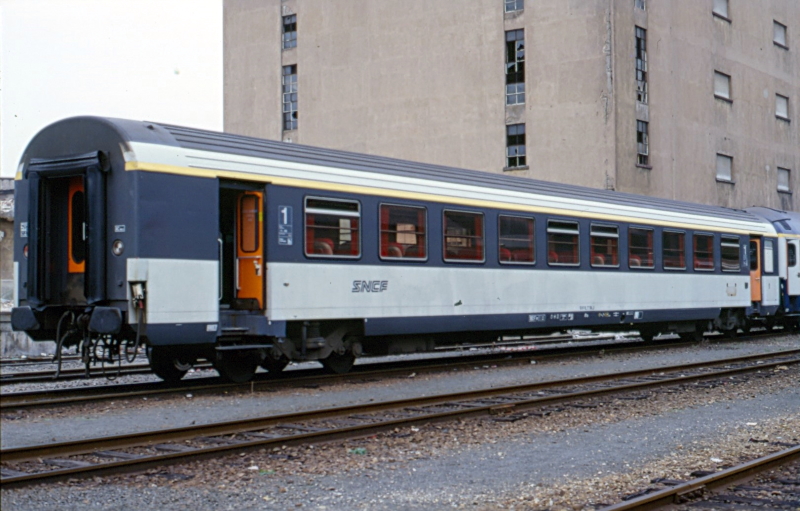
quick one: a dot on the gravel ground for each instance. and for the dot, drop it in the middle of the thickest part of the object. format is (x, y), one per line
(561, 461)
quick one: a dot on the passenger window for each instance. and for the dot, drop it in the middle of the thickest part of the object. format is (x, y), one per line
(403, 232)
(640, 248)
(516, 240)
(562, 243)
(77, 226)
(703, 252)
(605, 246)
(753, 252)
(769, 263)
(249, 213)
(463, 236)
(674, 250)
(730, 253)
(792, 253)
(332, 228)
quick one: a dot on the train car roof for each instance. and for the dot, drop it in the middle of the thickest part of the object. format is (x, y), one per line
(137, 135)
(785, 222)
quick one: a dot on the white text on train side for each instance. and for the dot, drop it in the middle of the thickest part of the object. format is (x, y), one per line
(370, 286)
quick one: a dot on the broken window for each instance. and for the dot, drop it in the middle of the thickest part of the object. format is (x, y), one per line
(515, 67)
(515, 145)
(290, 31)
(642, 143)
(641, 65)
(514, 5)
(289, 81)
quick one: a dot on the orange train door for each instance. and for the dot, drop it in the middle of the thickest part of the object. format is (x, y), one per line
(250, 248)
(755, 269)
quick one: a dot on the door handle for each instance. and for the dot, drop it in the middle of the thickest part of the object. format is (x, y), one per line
(258, 268)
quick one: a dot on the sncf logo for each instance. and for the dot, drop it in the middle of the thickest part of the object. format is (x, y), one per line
(370, 286)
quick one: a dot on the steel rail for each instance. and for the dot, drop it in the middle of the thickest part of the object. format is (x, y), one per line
(211, 384)
(678, 494)
(458, 404)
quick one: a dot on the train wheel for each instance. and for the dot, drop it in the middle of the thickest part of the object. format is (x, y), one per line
(238, 367)
(339, 364)
(166, 365)
(274, 365)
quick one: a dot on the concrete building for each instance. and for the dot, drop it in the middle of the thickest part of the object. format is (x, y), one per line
(686, 99)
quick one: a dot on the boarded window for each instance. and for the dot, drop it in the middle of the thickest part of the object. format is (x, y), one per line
(779, 34)
(781, 106)
(332, 228)
(463, 236)
(769, 249)
(562, 243)
(722, 85)
(605, 246)
(730, 253)
(403, 232)
(674, 250)
(724, 167)
(640, 248)
(703, 252)
(516, 240)
(784, 177)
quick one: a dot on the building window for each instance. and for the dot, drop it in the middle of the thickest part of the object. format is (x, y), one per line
(515, 67)
(640, 4)
(724, 168)
(332, 228)
(674, 250)
(403, 232)
(290, 31)
(289, 81)
(463, 236)
(782, 107)
(562, 243)
(722, 86)
(640, 248)
(779, 35)
(515, 145)
(641, 65)
(605, 246)
(704, 252)
(516, 240)
(784, 176)
(730, 253)
(514, 5)
(721, 9)
(642, 143)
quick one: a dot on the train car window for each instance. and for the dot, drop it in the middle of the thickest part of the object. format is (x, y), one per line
(403, 232)
(516, 240)
(332, 228)
(77, 226)
(704, 252)
(729, 249)
(769, 263)
(674, 250)
(463, 236)
(753, 255)
(605, 246)
(792, 255)
(640, 248)
(562, 243)
(249, 207)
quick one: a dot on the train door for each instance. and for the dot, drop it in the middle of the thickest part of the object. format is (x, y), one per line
(793, 267)
(242, 268)
(755, 269)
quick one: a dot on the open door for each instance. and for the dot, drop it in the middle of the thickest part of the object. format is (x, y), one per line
(250, 250)
(793, 273)
(755, 269)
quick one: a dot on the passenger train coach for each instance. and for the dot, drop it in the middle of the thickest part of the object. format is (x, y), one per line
(249, 252)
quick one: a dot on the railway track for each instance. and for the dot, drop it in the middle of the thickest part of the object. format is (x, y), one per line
(138, 451)
(300, 377)
(708, 489)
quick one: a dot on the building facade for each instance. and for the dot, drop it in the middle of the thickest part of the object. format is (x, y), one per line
(689, 99)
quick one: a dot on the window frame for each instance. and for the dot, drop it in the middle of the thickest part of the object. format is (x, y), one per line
(532, 240)
(517, 6)
(728, 158)
(479, 214)
(607, 235)
(769, 267)
(785, 44)
(257, 224)
(664, 266)
(651, 247)
(730, 241)
(290, 42)
(695, 259)
(381, 231)
(727, 97)
(778, 98)
(577, 235)
(520, 156)
(356, 214)
(640, 39)
(719, 14)
(788, 173)
(517, 77)
(289, 88)
(642, 143)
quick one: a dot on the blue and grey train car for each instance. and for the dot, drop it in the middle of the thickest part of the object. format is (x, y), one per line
(249, 252)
